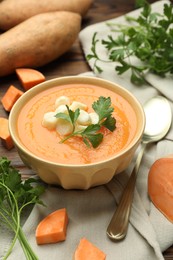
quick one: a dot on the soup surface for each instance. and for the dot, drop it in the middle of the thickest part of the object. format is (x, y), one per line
(46, 143)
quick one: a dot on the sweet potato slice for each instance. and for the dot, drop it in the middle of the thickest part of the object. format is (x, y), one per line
(160, 186)
(52, 229)
(86, 250)
(29, 77)
(10, 97)
(5, 136)
(38, 40)
(13, 12)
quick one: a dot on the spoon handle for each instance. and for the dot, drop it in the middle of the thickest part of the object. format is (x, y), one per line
(117, 228)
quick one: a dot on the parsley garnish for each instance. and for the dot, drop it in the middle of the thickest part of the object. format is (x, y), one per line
(91, 134)
(149, 39)
(15, 195)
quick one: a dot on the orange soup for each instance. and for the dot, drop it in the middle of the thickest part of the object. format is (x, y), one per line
(46, 144)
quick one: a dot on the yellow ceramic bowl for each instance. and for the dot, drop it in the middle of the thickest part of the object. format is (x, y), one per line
(75, 176)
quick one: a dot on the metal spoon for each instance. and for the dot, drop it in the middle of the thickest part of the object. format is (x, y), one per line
(158, 121)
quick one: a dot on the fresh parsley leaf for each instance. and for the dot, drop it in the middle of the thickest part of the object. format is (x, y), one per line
(137, 78)
(109, 123)
(140, 3)
(103, 107)
(63, 116)
(123, 67)
(95, 139)
(149, 37)
(71, 116)
(15, 195)
(91, 129)
(168, 12)
(99, 70)
(91, 134)
(146, 10)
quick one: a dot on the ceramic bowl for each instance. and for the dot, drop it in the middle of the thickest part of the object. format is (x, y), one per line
(81, 176)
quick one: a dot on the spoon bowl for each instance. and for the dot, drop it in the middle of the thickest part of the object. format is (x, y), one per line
(158, 121)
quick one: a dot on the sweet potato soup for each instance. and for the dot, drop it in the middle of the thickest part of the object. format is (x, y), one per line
(46, 144)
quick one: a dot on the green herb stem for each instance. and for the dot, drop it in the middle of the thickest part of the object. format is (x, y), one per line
(71, 135)
(15, 195)
(29, 253)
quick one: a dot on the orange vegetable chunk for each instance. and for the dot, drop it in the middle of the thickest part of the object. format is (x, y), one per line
(160, 186)
(86, 250)
(52, 229)
(29, 77)
(11, 96)
(5, 134)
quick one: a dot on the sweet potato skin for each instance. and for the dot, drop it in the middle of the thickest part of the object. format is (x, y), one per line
(25, 9)
(38, 40)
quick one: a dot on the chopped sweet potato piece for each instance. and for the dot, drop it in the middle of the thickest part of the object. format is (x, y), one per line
(86, 250)
(5, 134)
(11, 96)
(52, 229)
(29, 77)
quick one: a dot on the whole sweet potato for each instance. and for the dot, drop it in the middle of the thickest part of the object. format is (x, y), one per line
(38, 40)
(13, 12)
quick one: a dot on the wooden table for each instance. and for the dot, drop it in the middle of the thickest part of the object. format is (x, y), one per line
(72, 63)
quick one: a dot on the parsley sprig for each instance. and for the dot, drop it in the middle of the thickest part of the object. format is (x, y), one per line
(149, 38)
(91, 134)
(15, 195)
